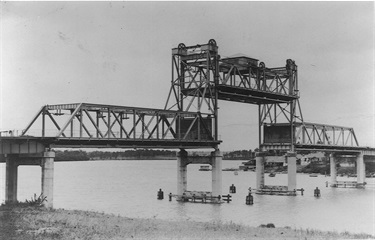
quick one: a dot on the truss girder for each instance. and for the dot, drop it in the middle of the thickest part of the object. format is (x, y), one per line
(320, 134)
(102, 122)
(258, 84)
(309, 136)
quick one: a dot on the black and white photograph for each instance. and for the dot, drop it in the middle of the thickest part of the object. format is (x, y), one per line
(187, 120)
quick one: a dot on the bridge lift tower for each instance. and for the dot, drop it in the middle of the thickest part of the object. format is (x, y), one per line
(200, 77)
(195, 75)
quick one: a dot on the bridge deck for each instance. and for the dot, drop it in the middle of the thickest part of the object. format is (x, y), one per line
(12, 144)
(317, 147)
(244, 95)
(241, 79)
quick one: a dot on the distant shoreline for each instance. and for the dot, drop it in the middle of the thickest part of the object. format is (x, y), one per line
(139, 154)
(133, 159)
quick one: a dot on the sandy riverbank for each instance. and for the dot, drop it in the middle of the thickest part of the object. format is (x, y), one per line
(39, 223)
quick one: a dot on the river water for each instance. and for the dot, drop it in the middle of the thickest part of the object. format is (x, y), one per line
(129, 188)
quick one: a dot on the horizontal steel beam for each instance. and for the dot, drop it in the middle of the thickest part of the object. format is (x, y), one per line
(34, 145)
(117, 109)
(321, 126)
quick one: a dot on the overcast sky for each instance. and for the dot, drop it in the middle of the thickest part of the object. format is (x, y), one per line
(120, 53)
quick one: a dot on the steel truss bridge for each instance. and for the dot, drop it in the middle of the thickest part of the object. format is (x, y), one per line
(189, 119)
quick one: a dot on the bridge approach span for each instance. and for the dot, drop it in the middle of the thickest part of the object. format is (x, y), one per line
(84, 125)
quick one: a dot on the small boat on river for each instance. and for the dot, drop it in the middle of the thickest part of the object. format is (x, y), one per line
(272, 174)
(313, 175)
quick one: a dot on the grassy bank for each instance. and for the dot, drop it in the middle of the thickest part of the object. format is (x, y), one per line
(25, 222)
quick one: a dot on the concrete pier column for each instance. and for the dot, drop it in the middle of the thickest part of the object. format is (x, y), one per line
(259, 163)
(292, 171)
(181, 172)
(216, 172)
(361, 170)
(11, 177)
(47, 164)
(332, 163)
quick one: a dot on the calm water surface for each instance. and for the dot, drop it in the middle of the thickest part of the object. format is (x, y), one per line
(129, 188)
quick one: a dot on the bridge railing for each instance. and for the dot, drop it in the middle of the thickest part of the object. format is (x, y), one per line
(11, 133)
(95, 121)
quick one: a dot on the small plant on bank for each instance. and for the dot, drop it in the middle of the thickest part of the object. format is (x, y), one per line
(36, 201)
(33, 202)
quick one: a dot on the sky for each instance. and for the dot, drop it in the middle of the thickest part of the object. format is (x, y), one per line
(119, 53)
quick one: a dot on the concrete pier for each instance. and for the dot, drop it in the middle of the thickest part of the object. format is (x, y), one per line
(332, 162)
(216, 162)
(361, 172)
(11, 177)
(361, 169)
(259, 163)
(181, 172)
(47, 165)
(262, 188)
(292, 171)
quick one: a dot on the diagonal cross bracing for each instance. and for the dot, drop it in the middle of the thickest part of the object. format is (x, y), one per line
(119, 123)
(328, 135)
